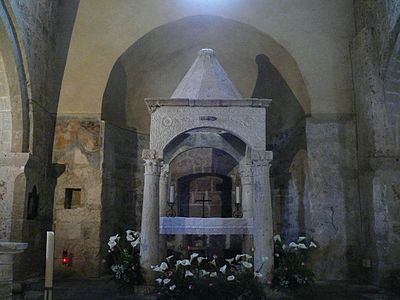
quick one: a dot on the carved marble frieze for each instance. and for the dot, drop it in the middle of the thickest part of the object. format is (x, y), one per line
(247, 123)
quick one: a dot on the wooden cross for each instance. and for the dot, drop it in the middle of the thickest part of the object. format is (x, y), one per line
(203, 201)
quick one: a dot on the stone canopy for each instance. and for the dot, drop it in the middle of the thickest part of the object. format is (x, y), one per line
(206, 101)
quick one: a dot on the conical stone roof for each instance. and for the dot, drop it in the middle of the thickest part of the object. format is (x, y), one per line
(206, 79)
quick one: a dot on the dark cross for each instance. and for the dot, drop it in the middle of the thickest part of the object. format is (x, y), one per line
(203, 201)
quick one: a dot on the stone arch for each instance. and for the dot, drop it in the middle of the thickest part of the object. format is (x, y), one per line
(14, 121)
(154, 65)
(182, 142)
(213, 166)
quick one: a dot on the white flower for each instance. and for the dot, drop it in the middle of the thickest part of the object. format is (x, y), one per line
(230, 260)
(156, 268)
(135, 243)
(293, 245)
(301, 238)
(277, 238)
(248, 256)
(222, 269)
(258, 275)
(213, 274)
(178, 262)
(169, 257)
(172, 287)
(194, 255)
(283, 246)
(114, 238)
(200, 259)
(312, 245)
(204, 273)
(166, 280)
(111, 245)
(163, 266)
(130, 235)
(159, 280)
(247, 264)
(188, 273)
(213, 263)
(239, 256)
(113, 241)
(230, 278)
(185, 262)
(301, 246)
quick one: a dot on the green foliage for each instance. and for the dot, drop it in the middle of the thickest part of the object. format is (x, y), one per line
(124, 259)
(290, 264)
(200, 278)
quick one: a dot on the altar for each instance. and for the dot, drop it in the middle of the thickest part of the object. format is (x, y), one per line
(207, 168)
(206, 226)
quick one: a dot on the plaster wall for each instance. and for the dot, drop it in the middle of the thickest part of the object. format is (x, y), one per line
(327, 27)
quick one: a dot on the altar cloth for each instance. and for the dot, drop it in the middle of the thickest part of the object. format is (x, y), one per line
(209, 226)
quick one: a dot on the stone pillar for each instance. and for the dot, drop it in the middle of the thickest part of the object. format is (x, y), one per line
(12, 194)
(7, 252)
(246, 178)
(149, 248)
(163, 206)
(262, 212)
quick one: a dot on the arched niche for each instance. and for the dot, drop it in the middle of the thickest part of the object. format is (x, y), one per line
(155, 64)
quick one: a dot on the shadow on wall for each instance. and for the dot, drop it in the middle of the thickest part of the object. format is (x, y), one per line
(285, 137)
(155, 64)
(115, 96)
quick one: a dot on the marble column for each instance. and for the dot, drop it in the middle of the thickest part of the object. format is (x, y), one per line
(262, 212)
(163, 205)
(7, 252)
(150, 229)
(246, 178)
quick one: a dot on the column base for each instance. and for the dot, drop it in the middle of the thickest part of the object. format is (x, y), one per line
(7, 252)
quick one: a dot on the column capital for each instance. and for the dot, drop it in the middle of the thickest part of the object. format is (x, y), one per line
(164, 171)
(261, 157)
(152, 162)
(150, 154)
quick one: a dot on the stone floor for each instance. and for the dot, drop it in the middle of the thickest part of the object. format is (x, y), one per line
(102, 289)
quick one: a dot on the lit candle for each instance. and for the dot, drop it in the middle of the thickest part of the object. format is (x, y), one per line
(237, 195)
(171, 194)
(48, 283)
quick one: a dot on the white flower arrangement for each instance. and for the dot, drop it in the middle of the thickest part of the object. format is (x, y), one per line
(125, 256)
(198, 276)
(290, 269)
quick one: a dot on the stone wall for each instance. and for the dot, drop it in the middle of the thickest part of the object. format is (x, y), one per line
(103, 170)
(78, 146)
(39, 56)
(375, 59)
(331, 204)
